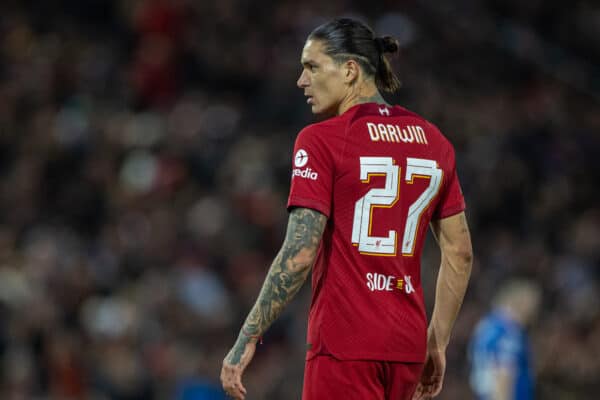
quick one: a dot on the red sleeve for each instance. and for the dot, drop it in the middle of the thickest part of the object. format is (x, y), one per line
(312, 172)
(451, 201)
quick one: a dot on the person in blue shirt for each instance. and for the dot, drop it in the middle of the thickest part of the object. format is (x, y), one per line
(499, 350)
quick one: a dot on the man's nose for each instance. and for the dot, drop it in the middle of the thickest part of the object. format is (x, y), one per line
(302, 80)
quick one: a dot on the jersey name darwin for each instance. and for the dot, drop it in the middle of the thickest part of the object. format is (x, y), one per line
(395, 134)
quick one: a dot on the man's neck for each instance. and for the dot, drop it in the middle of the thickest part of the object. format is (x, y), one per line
(365, 94)
(375, 98)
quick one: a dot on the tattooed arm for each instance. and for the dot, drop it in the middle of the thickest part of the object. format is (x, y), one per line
(284, 279)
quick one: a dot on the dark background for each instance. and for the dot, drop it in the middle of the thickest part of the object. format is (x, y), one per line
(145, 154)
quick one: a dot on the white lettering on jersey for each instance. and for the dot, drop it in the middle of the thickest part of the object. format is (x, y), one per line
(387, 283)
(395, 134)
(380, 282)
(305, 173)
(408, 287)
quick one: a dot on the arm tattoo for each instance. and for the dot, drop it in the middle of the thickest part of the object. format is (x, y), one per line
(285, 277)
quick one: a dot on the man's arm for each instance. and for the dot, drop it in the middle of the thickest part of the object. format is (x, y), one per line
(454, 239)
(284, 279)
(288, 271)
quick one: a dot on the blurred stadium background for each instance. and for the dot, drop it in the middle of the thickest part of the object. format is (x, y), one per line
(145, 152)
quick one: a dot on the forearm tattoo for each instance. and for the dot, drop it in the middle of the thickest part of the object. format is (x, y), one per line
(285, 277)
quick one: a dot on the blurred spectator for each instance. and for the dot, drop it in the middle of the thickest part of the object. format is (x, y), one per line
(501, 364)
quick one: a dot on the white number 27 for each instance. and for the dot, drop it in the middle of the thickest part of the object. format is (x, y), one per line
(386, 197)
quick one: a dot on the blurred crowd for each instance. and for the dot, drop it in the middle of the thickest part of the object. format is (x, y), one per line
(145, 154)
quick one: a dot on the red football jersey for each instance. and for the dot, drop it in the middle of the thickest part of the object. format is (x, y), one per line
(379, 174)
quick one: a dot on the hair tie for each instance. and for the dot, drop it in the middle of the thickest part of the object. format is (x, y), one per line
(386, 44)
(380, 44)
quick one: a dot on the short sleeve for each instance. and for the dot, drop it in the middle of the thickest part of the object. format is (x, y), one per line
(452, 200)
(312, 172)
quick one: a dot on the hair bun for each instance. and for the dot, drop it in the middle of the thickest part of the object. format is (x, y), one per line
(387, 44)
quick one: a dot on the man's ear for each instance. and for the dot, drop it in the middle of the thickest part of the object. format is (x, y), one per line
(351, 71)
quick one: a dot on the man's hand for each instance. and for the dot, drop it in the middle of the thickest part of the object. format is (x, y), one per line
(432, 377)
(234, 365)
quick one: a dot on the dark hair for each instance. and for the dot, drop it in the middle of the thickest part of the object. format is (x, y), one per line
(346, 38)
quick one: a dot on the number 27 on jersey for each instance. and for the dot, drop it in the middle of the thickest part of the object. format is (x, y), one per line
(386, 197)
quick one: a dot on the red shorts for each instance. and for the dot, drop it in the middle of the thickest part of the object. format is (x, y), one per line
(327, 378)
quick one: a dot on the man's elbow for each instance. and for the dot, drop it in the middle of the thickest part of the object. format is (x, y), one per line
(465, 255)
(461, 257)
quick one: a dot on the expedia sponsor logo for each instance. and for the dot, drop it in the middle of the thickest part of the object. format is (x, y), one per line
(301, 158)
(388, 283)
(305, 173)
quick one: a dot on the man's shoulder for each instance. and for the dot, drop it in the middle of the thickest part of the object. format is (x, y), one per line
(408, 113)
(325, 125)
(391, 111)
(321, 131)
(370, 110)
